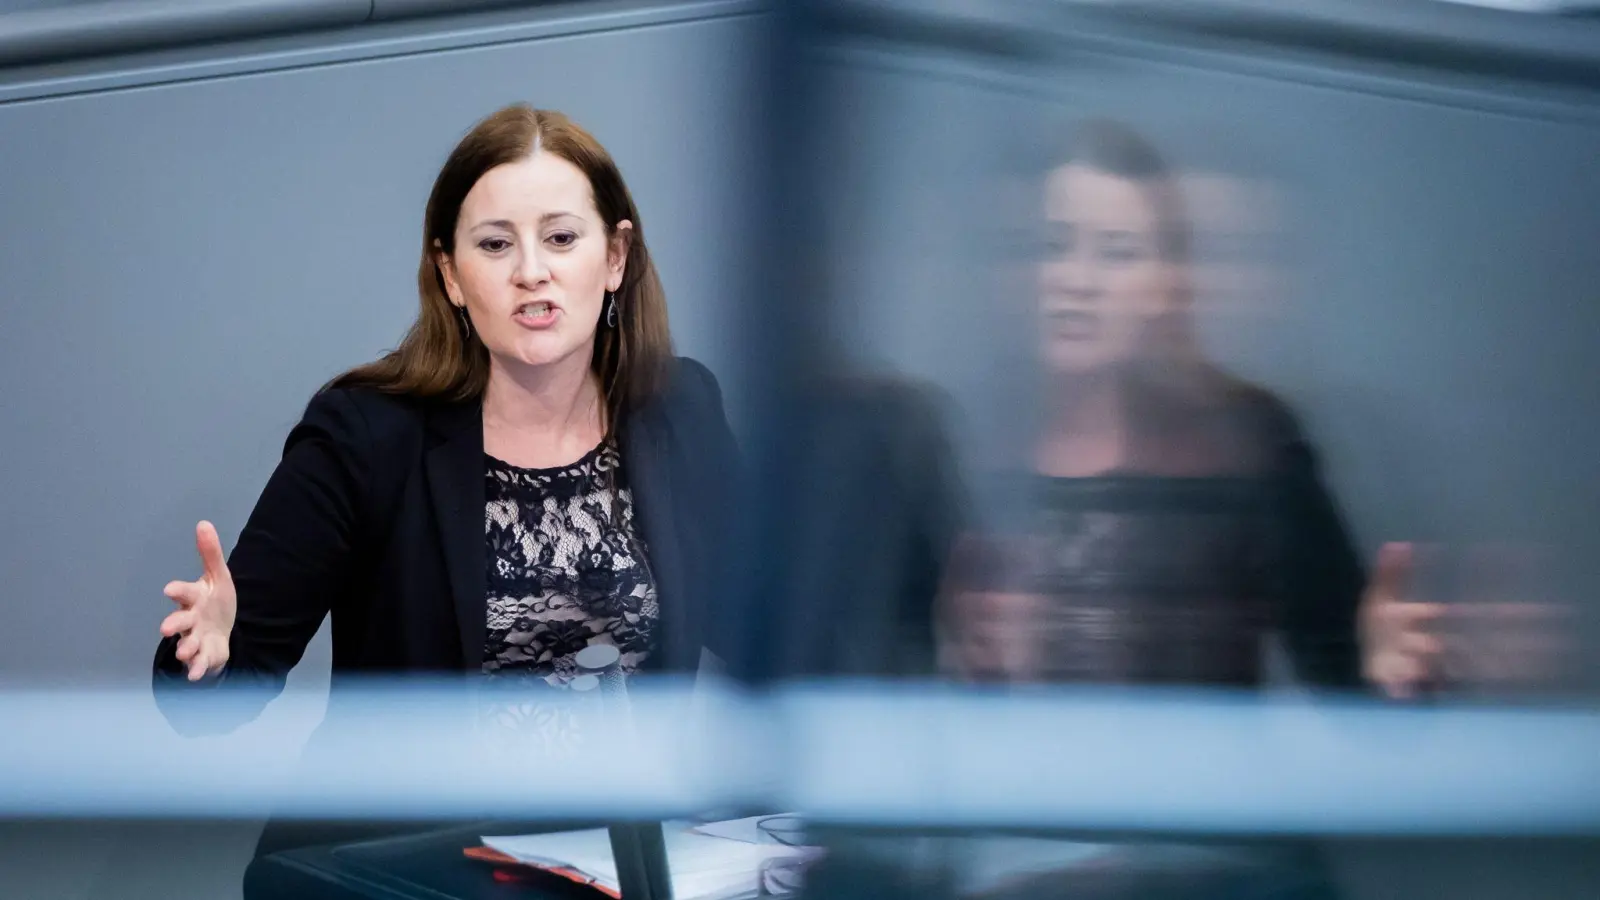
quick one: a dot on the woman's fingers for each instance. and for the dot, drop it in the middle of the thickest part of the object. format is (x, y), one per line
(1391, 578)
(185, 593)
(1399, 675)
(210, 656)
(1394, 623)
(1400, 615)
(204, 661)
(210, 548)
(1491, 632)
(188, 646)
(200, 648)
(1403, 644)
(179, 622)
(1418, 644)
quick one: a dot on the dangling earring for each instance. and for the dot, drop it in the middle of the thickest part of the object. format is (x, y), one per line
(611, 309)
(466, 323)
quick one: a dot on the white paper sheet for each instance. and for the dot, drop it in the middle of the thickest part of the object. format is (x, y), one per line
(745, 830)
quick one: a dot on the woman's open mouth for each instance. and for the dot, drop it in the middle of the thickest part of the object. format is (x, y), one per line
(537, 315)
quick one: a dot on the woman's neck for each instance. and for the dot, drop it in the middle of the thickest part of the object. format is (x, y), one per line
(542, 416)
(1085, 404)
(1085, 431)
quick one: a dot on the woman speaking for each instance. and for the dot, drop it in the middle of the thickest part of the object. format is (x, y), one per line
(530, 473)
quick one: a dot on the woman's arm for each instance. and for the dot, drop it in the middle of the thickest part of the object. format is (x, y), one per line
(1323, 578)
(716, 488)
(719, 434)
(291, 564)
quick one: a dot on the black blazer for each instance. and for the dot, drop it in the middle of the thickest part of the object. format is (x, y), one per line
(375, 515)
(858, 520)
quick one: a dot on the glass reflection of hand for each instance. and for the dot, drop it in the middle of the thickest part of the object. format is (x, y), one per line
(997, 635)
(1496, 633)
(991, 610)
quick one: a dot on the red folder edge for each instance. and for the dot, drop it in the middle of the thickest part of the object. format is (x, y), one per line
(486, 854)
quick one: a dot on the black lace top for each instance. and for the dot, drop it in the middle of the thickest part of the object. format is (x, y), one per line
(566, 569)
(1154, 580)
(1150, 579)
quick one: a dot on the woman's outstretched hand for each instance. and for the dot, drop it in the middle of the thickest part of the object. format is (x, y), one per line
(1497, 634)
(206, 609)
(1399, 647)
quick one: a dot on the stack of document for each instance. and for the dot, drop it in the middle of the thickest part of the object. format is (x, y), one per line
(718, 861)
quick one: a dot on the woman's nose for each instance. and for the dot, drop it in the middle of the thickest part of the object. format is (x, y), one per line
(531, 268)
(1074, 277)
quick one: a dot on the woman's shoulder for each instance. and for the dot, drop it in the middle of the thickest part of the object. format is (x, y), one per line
(368, 402)
(368, 416)
(1269, 416)
(1267, 428)
(688, 385)
(685, 373)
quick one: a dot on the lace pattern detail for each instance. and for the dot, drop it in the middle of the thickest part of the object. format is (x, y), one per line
(566, 569)
(1146, 580)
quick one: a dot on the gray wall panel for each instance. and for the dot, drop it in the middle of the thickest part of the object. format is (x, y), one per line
(83, 29)
(403, 37)
(398, 9)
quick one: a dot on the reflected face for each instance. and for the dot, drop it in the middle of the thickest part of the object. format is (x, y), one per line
(1102, 277)
(533, 262)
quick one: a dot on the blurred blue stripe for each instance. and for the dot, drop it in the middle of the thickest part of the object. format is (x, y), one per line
(1092, 760)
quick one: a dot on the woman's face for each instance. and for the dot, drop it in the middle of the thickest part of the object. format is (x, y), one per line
(1102, 278)
(533, 262)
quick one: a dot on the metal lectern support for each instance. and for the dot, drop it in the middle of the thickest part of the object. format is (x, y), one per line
(640, 849)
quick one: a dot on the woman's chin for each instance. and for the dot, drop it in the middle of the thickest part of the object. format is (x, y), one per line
(542, 350)
(1076, 358)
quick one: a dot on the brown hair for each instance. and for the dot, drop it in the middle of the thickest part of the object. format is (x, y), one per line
(435, 360)
(1111, 147)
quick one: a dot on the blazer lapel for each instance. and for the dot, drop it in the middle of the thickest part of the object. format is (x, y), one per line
(455, 482)
(645, 444)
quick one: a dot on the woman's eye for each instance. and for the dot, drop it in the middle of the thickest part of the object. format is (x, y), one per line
(493, 245)
(1122, 248)
(563, 238)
